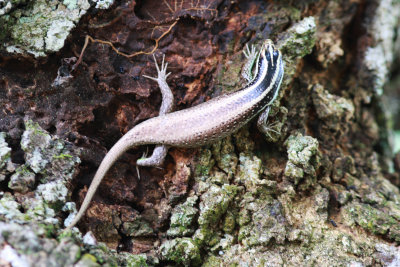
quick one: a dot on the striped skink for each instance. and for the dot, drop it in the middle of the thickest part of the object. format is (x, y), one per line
(201, 124)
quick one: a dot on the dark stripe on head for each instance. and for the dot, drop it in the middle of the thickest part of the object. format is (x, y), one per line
(268, 77)
(272, 64)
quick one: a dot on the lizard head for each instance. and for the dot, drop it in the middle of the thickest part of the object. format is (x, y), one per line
(269, 52)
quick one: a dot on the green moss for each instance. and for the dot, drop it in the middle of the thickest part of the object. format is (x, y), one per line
(23, 170)
(229, 222)
(225, 156)
(250, 169)
(303, 159)
(137, 228)
(372, 219)
(262, 220)
(204, 163)
(50, 229)
(139, 260)
(243, 140)
(215, 203)
(295, 43)
(229, 76)
(334, 110)
(40, 26)
(88, 260)
(294, 13)
(103, 255)
(295, 172)
(182, 218)
(299, 40)
(35, 128)
(213, 261)
(10, 209)
(182, 251)
(23, 180)
(65, 234)
(63, 156)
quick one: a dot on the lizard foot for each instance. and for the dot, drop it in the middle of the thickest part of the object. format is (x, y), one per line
(161, 72)
(251, 54)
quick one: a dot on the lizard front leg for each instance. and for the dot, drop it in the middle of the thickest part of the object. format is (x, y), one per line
(251, 56)
(160, 151)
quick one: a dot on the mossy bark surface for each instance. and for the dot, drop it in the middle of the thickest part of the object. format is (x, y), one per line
(321, 189)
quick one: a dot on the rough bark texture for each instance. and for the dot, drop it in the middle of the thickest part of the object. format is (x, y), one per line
(322, 189)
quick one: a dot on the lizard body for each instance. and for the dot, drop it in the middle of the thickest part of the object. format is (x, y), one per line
(201, 124)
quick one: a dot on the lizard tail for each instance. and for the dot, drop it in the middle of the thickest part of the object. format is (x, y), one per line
(125, 143)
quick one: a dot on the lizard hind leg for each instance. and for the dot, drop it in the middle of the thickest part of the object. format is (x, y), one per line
(160, 151)
(156, 159)
(167, 102)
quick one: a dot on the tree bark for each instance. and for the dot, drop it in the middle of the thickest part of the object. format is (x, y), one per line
(321, 189)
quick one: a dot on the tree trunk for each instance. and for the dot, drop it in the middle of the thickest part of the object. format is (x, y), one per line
(322, 188)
